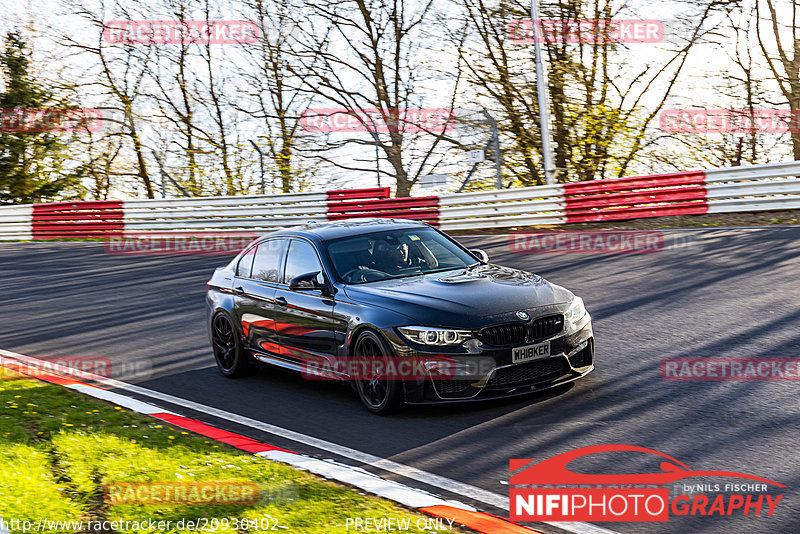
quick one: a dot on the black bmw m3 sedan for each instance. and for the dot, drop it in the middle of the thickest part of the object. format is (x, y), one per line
(400, 310)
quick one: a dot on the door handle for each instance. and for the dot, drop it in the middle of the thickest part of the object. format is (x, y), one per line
(280, 301)
(239, 290)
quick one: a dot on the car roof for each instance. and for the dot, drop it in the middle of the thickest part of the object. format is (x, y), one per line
(326, 231)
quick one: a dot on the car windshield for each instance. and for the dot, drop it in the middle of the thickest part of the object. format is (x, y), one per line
(395, 254)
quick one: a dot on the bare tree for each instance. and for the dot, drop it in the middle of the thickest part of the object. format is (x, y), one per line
(214, 101)
(175, 80)
(741, 95)
(367, 58)
(114, 74)
(782, 57)
(274, 85)
(597, 92)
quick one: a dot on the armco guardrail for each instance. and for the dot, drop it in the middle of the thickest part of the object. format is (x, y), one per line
(15, 222)
(247, 213)
(774, 186)
(526, 206)
(766, 187)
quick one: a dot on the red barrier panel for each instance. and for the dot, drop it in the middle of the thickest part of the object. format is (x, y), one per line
(351, 194)
(81, 205)
(429, 216)
(418, 208)
(90, 219)
(636, 182)
(636, 197)
(652, 196)
(384, 204)
(80, 216)
(637, 212)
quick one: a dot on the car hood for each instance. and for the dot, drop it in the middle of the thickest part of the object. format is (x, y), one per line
(471, 296)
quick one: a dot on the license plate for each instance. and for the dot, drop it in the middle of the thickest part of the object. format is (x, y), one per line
(530, 352)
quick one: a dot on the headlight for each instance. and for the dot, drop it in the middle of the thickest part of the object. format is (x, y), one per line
(425, 335)
(575, 315)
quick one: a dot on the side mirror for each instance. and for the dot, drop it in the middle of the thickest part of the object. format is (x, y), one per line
(306, 281)
(480, 254)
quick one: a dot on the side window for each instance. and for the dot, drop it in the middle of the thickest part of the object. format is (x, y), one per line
(302, 259)
(266, 264)
(246, 263)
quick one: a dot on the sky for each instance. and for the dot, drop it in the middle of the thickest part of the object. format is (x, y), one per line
(699, 87)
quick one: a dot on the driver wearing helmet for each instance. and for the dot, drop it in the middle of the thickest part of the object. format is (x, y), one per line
(393, 256)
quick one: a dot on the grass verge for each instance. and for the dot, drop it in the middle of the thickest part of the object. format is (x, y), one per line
(62, 451)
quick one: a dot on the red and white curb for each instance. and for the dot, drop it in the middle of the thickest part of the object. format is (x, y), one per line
(420, 500)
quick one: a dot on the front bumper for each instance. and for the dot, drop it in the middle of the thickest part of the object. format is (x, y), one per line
(572, 358)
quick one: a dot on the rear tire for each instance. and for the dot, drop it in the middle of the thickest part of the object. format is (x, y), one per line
(379, 395)
(231, 359)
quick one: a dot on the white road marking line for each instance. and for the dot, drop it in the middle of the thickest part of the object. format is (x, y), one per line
(121, 400)
(413, 473)
(363, 479)
(431, 479)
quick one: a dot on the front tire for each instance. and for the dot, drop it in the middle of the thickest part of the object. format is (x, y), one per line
(232, 362)
(379, 394)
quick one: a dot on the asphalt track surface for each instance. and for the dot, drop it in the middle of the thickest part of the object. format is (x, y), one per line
(723, 292)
